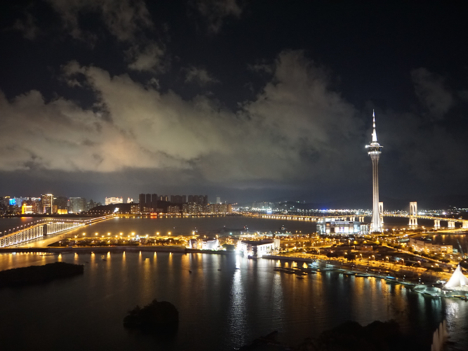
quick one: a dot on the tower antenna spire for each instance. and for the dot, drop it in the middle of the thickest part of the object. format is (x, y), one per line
(374, 133)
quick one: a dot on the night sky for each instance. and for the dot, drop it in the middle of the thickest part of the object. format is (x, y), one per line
(246, 100)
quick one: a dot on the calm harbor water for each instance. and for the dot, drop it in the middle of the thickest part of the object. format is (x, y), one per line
(221, 307)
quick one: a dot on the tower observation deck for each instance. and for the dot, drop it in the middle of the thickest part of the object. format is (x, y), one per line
(374, 150)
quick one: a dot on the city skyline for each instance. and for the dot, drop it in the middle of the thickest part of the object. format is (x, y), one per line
(226, 99)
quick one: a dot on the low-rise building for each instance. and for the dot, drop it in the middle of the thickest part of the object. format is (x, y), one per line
(258, 248)
(209, 244)
(422, 244)
(332, 226)
(113, 200)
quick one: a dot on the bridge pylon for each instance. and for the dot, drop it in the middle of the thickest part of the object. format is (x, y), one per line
(436, 223)
(451, 224)
(413, 212)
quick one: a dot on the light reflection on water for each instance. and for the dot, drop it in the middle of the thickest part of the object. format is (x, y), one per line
(237, 309)
(221, 307)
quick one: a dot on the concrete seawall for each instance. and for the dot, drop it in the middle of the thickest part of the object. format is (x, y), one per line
(104, 249)
(288, 258)
(176, 249)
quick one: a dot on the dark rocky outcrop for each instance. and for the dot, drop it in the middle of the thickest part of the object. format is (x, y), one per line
(39, 274)
(155, 317)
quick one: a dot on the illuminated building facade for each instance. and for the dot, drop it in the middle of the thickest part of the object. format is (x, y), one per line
(374, 150)
(423, 244)
(330, 226)
(47, 201)
(113, 200)
(258, 248)
(77, 204)
(26, 209)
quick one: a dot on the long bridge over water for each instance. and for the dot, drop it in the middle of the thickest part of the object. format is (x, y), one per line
(412, 219)
(43, 228)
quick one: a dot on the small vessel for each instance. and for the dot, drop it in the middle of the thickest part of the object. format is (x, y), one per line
(362, 275)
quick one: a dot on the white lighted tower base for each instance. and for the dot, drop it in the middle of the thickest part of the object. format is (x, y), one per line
(374, 150)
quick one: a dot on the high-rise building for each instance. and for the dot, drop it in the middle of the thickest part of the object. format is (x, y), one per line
(47, 203)
(61, 202)
(141, 202)
(218, 199)
(374, 150)
(178, 199)
(77, 204)
(154, 201)
(148, 200)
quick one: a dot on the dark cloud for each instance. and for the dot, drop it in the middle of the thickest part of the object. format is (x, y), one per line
(430, 88)
(215, 12)
(27, 26)
(199, 75)
(150, 57)
(124, 19)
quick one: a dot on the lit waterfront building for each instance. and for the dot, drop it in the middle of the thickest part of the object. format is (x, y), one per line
(374, 150)
(332, 226)
(422, 244)
(258, 248)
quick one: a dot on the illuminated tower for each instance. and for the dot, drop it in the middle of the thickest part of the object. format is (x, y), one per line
(374, 149)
